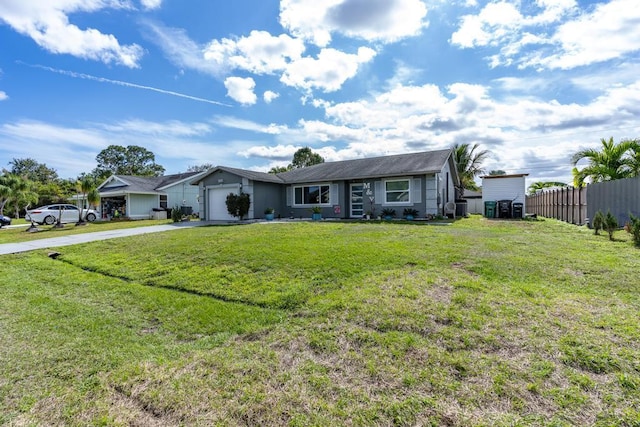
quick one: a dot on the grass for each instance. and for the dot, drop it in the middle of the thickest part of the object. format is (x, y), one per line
(478, 323)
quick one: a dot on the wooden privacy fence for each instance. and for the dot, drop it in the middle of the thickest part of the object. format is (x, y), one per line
(567, 204)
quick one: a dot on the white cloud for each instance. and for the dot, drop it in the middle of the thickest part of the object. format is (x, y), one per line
(181, 50)
(609, 32)
(247, 125)
(73, 149)
(384, 21)
(328, 72)
(241, 89)
(556, 36)
(269, 96)
(279, 152)
(151, 4)
(47, 23)
(3, 96)
(259, 53)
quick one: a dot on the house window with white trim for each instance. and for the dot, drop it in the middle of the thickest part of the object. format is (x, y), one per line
(312, 194)
(397, 191)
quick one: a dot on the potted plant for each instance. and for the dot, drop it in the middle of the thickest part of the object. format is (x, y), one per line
(388, 213)
(368, 215)
(410, 213)
(316, 213)
(268, 214)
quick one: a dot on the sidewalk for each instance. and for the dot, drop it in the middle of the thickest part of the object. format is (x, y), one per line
(53, 242)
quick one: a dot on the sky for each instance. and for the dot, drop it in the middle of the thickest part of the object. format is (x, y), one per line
(246, 83)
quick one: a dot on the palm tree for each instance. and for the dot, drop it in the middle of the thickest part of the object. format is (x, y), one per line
(613, 161)
(540, 185)
(23, 195)
(85, 186)
(9, 184)
(634, 155)
(93, 197)
(468, 164)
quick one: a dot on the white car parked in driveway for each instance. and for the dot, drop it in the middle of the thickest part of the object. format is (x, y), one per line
(49, 214)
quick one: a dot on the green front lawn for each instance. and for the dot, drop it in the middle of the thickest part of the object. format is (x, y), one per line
(477, 323)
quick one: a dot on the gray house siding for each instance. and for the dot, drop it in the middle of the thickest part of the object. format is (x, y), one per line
(334, 209)
(267, 195)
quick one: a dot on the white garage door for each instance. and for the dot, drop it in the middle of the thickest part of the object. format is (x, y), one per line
(218, 203)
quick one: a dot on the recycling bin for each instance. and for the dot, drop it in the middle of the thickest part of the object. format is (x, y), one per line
(490, 209)
(517, 210)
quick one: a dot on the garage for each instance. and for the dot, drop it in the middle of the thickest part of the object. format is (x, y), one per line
(217, 209)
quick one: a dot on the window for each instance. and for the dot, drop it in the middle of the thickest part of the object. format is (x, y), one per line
(312, 195)
(163, 201)
(397, 191)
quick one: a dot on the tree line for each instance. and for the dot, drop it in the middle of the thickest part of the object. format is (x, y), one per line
(28, 183)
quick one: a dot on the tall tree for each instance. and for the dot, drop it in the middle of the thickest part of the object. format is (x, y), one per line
(612, 161)
(279, 169)
(8, 184)
(305, 157)
(32, 170)
(468, 160)
(200, 168)
(24, 195)
(84, 186)
(497, 172)
(130, 160)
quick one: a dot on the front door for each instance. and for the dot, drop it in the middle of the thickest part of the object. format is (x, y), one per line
(357, 200)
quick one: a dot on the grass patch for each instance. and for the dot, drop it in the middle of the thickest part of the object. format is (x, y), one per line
(19, 234)
(478, 323)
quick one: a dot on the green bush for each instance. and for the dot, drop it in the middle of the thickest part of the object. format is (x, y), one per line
(176, 214)
(238, 204)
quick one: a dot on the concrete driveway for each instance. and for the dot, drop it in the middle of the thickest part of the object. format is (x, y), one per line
(54, 242)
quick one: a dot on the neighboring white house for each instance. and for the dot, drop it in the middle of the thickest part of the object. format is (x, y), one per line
(505, 188)
(138, 197)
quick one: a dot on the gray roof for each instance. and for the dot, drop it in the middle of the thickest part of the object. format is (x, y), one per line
(147, 184)
(252, 175)
(372, 167)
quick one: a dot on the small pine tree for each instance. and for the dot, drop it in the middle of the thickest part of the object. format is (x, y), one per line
(634, 229)
(610, 224)
(598, 222)
(176, 214)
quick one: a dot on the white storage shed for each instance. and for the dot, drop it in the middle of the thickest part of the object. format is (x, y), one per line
(508, 192)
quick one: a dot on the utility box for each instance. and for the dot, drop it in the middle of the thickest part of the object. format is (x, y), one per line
(158, 214)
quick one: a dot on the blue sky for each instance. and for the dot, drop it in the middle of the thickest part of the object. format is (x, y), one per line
(245, 83)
